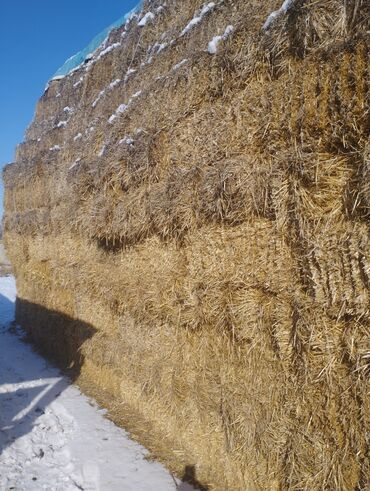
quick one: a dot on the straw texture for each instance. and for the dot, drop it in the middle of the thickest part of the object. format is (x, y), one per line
(215, 233)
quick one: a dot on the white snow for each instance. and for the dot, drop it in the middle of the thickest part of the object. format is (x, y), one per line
(79, 82)
(147, 17)
(130, 18)
(127, 140)
(9, 292)
(123, 107)
(114, 83)
(129, 72)
(75, 69)
(102, 151)
(68, 110)
(178, 65)
(75, 163)
(77, 137)
(107, 50)
(198, 18)
(147, 62)
(102, 46)
(213, 45)
(155, 50)
(160, 47)
(52, 437)
(101, 94)
(207, 8)
(62, 124)
(287, 4)
(55, 148)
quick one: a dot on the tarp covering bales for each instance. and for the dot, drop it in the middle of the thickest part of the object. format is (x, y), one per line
(79, 58)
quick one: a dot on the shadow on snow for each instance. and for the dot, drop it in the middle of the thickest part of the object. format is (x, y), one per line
(28, 385)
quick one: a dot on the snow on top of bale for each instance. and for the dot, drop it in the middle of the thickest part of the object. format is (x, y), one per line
(198, 17)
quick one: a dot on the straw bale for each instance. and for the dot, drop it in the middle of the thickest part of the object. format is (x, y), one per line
(203, 260)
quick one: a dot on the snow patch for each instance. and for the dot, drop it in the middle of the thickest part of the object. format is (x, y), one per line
(129, 72)
(123, 107)
(114, 83)
(147, 18)
(77, 137)
(127, 140)
(130, 18)
(55, 148)
(180, 64)
(147, 62)
(76, 162)
(198, 18)
(107, 50)
(101, 94)
(79, 82)
(156, 49)
(213, 45)
(62, 124)
(160, 47)
(102, 151)
(287, 4)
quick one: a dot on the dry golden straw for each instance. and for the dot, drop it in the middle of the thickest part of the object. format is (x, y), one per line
(215, 236)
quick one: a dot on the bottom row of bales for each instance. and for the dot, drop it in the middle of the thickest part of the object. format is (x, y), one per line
(216, 345)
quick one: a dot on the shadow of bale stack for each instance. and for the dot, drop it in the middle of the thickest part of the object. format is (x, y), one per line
(216, 235)
(55, 334)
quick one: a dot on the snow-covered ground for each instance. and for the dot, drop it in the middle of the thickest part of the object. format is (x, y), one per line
(54, 438)
(3, 259)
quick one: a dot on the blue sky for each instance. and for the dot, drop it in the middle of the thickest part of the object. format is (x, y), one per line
(36, 37)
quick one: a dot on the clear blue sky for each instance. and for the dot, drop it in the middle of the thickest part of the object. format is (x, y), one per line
(36, 37)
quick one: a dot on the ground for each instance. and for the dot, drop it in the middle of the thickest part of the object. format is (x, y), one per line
(54, 438)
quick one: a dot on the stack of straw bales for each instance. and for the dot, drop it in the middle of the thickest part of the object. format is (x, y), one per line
(214, 232)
